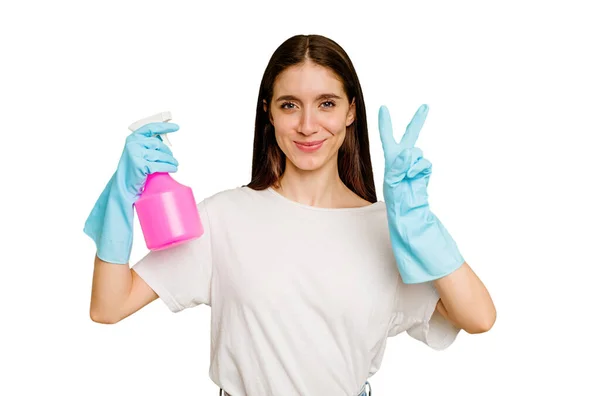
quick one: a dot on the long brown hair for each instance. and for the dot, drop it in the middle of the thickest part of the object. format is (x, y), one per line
(354, 159)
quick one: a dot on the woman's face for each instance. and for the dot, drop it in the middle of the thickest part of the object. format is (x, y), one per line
(310, 113)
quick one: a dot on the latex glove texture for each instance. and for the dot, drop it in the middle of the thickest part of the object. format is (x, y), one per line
(423, 248)
(110, 223)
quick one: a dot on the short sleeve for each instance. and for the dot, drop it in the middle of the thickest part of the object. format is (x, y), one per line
(415, 313)
(181, 275)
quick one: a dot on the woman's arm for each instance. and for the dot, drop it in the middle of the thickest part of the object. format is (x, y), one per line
(117, 292)
(465, 301)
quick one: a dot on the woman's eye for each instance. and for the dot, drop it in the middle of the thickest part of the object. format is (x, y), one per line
(290, 105)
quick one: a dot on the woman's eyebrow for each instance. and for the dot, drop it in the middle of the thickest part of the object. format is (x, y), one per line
(322, 96)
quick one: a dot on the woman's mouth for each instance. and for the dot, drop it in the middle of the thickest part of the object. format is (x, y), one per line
(310, 147)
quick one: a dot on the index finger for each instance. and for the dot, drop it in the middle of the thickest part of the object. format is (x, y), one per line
(386, 132)
(156, 128)
(414, 127)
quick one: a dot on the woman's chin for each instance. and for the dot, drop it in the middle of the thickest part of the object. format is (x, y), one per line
(308, 164)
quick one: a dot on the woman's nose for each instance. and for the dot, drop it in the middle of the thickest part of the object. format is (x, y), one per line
(308, 122)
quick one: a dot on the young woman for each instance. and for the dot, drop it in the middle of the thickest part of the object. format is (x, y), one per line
(306, 272)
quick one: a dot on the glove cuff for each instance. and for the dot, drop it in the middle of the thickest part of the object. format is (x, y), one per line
(423, 248)
(112, 251)
(110, 225)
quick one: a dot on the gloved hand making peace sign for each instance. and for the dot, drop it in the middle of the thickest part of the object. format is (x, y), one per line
(423, 248)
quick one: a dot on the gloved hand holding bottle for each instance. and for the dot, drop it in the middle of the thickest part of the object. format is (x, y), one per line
(423, 248)
(110, 223)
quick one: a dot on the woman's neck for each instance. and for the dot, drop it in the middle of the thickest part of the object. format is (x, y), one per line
(320, 188)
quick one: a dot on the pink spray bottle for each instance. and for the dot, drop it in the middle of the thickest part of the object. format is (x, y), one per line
(166, 209)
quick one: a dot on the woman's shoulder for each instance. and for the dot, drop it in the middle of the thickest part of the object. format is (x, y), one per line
(233, 196)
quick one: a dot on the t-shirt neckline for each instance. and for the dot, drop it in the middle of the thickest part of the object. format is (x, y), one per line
(272, 191)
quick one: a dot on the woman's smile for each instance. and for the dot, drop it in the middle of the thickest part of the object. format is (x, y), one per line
(310, 147)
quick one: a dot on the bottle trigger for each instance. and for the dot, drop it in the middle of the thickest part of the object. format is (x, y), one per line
(164, 116)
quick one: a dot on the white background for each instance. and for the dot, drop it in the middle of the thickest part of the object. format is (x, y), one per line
(512, 133)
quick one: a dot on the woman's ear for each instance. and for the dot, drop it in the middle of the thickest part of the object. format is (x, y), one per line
(351, 113)
(265, 108)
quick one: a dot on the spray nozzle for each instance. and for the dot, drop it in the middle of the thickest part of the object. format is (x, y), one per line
(160, 117)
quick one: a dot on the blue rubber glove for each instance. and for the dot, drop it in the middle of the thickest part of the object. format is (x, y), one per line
(110, 223)
(423, 248)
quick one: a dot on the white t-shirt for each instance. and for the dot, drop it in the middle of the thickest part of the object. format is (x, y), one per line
(302, 298)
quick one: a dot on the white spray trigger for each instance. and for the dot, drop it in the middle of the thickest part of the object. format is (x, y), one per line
(160, 117)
